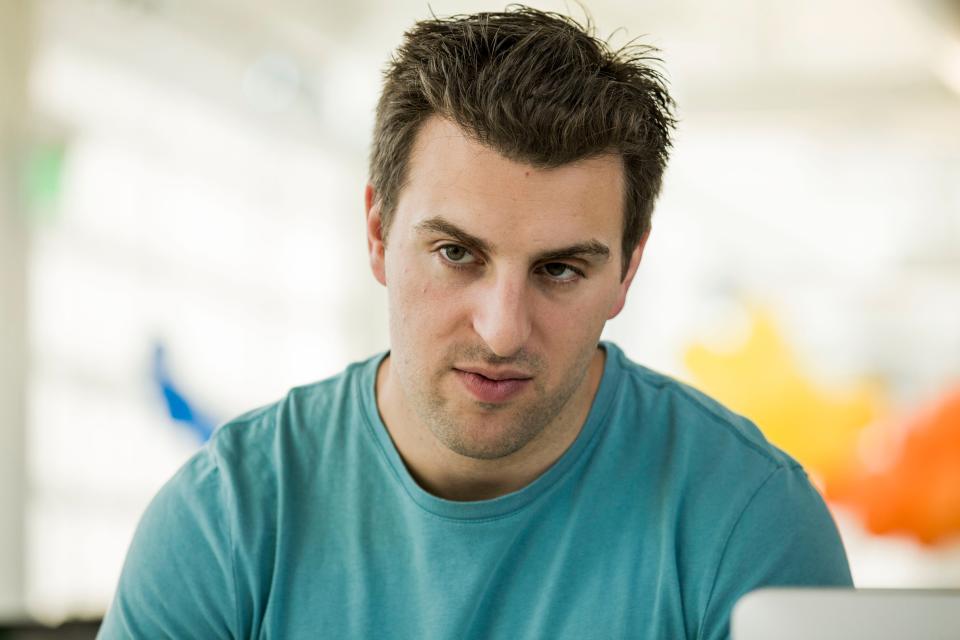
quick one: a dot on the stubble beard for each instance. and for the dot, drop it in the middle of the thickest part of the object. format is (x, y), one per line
(462, 429)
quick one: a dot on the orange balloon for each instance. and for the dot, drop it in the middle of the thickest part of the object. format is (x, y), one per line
(918, 492)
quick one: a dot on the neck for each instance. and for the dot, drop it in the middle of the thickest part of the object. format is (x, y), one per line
(453, 476)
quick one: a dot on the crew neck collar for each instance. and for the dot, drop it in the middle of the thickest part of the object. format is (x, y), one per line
(506, 504)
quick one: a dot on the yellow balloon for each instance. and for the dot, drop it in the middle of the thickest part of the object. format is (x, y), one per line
(762, 380)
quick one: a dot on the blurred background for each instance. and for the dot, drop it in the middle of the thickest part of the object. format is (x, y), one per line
(181, 239)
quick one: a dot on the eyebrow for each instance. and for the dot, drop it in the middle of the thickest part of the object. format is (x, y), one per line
(589, 249)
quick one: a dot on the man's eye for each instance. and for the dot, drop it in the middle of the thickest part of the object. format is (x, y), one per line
(561, 272)
(456, 254)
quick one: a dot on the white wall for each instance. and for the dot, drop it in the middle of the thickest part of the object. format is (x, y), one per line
(13, 253)
(212, 197)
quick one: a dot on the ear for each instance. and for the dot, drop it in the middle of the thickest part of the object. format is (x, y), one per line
(375, 246)
(628, 279)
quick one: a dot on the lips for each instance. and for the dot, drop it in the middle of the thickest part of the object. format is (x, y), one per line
(497, 374)
(493, 387)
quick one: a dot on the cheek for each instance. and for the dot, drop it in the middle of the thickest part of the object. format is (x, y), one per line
(417, 293)
(420, 306)
(578, 317)
(572, 329)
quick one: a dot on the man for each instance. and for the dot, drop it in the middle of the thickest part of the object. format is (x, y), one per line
(499, 473)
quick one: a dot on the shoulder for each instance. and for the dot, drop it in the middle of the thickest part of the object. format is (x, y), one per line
(203, 551)
(242, 470)
(743, 511)
(693, 421)
(306, 418)
(714, 469)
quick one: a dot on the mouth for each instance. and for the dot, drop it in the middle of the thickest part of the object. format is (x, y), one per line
(493, 386)
(496, 375)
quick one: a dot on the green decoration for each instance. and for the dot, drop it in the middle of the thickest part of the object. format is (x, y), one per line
(42, 181)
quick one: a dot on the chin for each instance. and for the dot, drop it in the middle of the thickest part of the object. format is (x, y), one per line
(486, 437)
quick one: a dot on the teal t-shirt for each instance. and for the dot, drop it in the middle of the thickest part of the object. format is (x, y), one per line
(300, 520)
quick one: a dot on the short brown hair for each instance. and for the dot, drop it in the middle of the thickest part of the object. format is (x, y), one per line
(537, 87)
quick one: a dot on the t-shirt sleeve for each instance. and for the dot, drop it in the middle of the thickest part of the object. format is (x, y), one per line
(785, 536)
(177, 579)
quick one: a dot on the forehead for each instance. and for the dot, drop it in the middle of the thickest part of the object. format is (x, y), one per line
(451, 175)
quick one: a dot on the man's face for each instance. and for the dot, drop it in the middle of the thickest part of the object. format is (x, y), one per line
(500, 277)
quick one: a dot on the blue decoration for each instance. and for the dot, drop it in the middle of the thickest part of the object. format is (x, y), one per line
(181, 410)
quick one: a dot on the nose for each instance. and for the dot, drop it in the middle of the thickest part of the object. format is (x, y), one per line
(502, 316)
